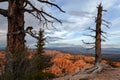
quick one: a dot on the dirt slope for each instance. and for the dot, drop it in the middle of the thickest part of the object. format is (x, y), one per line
(111, 74)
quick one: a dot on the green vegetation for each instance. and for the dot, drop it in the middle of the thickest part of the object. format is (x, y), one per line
(16, 66)
(39, 61)
(19, 67)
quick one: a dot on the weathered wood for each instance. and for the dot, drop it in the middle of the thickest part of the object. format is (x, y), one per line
(98, 56)
(15, 24)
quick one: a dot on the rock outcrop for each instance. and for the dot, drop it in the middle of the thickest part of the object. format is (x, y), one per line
(65, 63)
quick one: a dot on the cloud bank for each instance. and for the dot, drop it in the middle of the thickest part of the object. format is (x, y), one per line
(80, 14)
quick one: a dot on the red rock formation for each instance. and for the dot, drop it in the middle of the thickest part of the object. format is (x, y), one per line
(64, 63)
(116, 64)
(67, 63)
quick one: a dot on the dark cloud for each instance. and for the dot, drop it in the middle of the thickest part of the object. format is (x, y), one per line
(67, 21)
(52, 39)
(80, 13)
(64, 21)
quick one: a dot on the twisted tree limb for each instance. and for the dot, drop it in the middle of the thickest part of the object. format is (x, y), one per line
(29, 31)
(52, 4)
(4, 12)
(3, 0)
(41, 14)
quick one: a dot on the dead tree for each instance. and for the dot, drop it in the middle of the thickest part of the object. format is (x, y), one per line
(98, 34)
(98, 56)
(15, 16)
(98, 67)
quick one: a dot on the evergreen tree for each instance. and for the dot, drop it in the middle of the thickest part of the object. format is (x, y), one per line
(39, 60)
(41, 43)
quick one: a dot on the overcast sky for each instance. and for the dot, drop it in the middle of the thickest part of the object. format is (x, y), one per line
(80, 14)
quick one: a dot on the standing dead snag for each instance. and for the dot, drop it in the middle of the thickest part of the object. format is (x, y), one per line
(98, 56)
(98, 67)
(98, 38)
(98, 35)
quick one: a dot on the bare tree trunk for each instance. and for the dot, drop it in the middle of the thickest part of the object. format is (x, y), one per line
(15, 37)
(98, 56)
(15, 40)
(98, 67)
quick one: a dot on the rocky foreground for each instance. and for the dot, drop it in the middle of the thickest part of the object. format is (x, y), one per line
(110, 74)
(65, 64)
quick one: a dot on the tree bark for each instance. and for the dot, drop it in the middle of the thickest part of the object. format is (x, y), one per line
(15, 37)
(98, 56)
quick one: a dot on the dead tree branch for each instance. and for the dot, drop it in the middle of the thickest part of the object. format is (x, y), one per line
(92, 30)
(40, 14)
(52, 4)
(4, 12)
(107, 25)
(3, 0)
(104, 32)
(90, 35)
(29, 31)
(104, 36)
(106, 21)
(88, 42)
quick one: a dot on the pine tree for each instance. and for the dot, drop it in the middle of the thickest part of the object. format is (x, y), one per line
(41, 43)
(40, 50)
(39, 60)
